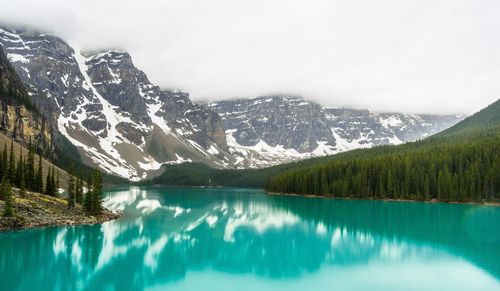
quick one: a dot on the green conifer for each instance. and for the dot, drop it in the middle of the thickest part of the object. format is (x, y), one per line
(19, 168)
(29, 170)
(39, 176)
(71, 191)
(12, 164)
(57, 184)
(97, 193)
(88, 199)
(48, 190)
(5, 160)
(7, 193)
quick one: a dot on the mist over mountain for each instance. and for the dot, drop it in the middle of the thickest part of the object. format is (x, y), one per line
(419, 57)
(123, 123)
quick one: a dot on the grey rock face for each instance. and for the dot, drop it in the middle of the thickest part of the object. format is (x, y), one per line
(118, 81)
(46, 64)
(18, 119)
(295, 123)
(108, 108)
(126, 125)
(116, 78)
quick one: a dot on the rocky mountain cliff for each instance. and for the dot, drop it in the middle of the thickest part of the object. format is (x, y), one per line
(19, 119)
(283, 128)
(124, 124)
(108, 108)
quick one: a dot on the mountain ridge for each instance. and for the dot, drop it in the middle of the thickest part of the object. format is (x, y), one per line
(124, 124)
(459, 164)
(310, 129)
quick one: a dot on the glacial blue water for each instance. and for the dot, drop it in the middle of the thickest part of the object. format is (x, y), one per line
(241, 239)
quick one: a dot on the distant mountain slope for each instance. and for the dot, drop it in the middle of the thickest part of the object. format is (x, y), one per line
(435, 147)
(106, 113)
(110, 111)
(488, 118)
(460, 164)
(286, 128)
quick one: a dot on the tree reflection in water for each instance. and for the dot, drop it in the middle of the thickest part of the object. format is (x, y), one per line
(166, 233)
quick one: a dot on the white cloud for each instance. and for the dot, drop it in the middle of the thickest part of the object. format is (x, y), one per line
(414, 56)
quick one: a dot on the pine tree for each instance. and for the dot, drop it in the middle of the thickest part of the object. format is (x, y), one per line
(29, 170)
(82, 192)
(97, 193)
(39, 176)
(79, 191)
(48, 190)
(88, 200)
(324, 184)
(1, 163)
(3, 195)
(71, 191)
(7, 194)
(390, 185)
(5, 161)
(467, 169)
(22, 189)
(347, 191)
(57, 184)
(12, 164)
(427, 188)
(53, 186)
(7, 211)
(19, 168)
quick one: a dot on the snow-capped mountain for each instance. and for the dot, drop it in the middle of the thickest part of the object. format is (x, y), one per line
(108, 108)
(284, 128)
(124, 124)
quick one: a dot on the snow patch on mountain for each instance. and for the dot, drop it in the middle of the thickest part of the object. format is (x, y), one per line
(270, 130)
(179, 160)
(127, 126)
(323, 149)
(111, 160)
(391, 121)
(344, 145)
(262, 154)
(17, 58)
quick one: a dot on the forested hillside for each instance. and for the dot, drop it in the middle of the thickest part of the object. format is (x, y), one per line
(197, 174)
(459, 164)
(36, 162)
(21, 121)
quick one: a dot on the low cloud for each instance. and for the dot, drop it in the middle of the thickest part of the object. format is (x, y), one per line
(390, 55)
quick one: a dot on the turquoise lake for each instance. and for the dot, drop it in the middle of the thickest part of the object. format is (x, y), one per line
(241, 239)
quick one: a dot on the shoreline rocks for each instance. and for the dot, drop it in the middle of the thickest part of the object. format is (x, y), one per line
(38, 210)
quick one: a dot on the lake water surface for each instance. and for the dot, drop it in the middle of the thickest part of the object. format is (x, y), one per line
(240, 239)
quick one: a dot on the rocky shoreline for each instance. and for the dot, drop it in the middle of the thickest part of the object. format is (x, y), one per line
(38, 210)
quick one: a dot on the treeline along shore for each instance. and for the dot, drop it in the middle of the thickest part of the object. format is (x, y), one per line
(461, 164)
(28, 198)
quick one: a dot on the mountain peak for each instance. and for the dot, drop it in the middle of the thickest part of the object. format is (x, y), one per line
(110, 55)
(121, 122)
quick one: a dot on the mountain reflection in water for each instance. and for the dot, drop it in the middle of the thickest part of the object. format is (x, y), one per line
(178, 238)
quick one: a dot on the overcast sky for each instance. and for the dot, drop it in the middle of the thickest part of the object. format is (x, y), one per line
(387, 55)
